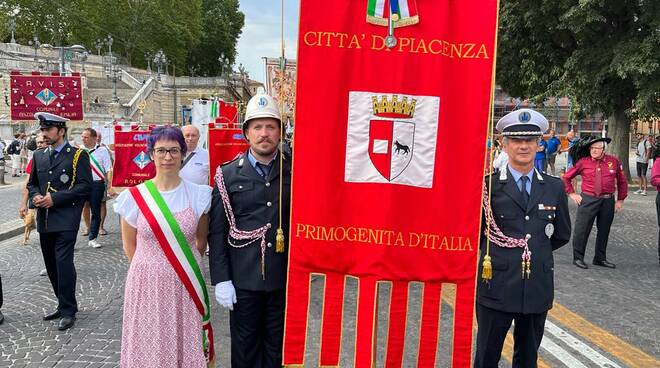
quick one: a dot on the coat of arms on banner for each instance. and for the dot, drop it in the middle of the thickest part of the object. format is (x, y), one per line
(391, 138)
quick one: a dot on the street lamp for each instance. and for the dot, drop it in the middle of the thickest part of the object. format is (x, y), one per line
(147, 56)
(12, 23)
(63, 50)
(224, 64)
(109, 42)
(83, 58)
(99, 46)
(159, 60)
(35, 44)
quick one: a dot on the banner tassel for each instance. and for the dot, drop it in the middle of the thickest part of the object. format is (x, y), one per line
(487, 269)
(279, 241)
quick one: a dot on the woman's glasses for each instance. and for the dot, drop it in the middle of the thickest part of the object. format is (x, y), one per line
(162, 152)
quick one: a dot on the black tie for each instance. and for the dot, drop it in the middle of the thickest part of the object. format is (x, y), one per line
(52, 155)
(523, 190)
(263, 170)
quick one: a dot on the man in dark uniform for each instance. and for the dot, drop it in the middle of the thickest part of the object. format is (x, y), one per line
(59, 184)
(602, 175)
(248, 254)
(526, 219)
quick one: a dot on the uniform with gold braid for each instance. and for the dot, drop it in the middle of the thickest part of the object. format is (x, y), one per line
(247, 248)
(64, 173)
(526, 218)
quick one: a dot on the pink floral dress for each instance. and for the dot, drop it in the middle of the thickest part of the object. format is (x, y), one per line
(162, 327)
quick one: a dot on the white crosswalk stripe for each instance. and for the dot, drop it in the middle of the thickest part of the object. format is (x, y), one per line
(585, 350)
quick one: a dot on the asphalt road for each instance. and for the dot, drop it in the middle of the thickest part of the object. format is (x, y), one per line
(602, 317)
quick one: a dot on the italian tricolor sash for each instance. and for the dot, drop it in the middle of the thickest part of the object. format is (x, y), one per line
(179, 254)
(96, 166)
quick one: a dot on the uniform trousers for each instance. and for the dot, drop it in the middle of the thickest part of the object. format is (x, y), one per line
(57, 250)
(257, 329)
(492, 330)
(593, 208)
(95, 201)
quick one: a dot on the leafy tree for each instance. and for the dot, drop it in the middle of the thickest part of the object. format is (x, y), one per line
(603, 53)
(222, 22)
(192, 33)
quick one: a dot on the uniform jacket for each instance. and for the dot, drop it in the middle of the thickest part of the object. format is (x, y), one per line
(548, 204)
(255, 203)
(67, 204)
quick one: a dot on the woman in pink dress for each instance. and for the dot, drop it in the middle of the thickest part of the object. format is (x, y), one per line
(162, 326)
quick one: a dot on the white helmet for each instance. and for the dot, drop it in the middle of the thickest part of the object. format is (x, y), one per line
(261, 106)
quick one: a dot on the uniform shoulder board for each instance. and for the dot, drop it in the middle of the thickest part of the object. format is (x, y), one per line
(550, 176)
(238, 160)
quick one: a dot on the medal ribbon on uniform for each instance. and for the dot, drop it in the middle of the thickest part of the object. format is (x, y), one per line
(179, 254)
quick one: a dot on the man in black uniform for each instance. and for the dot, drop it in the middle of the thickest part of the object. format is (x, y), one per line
(248, 254)
(59, 184)
(529, 219)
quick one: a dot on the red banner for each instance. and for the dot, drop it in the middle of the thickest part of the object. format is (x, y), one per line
(42, 93)
(396, 120)
(228, 112)
(225, 142)
(132, 163)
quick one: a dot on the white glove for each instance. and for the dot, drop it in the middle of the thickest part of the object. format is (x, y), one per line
(225, 294)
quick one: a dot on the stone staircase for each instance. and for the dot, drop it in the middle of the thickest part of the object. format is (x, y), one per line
(135, 87)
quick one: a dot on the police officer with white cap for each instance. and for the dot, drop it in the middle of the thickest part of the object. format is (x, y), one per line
(526, 219)
(248, 252)
(58, 186)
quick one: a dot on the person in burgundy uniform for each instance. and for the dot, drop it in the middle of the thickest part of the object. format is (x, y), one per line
(602, 176)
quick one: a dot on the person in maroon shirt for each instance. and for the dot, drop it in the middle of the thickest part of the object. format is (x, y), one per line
(655, 181)
(602, 175)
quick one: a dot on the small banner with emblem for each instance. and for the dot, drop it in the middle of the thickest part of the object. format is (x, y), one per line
(132, 164)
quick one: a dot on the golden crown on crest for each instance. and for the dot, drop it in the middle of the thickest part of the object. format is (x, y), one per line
(388, 106)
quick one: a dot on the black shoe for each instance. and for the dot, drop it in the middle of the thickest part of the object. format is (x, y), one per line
(66, 323)
(52, 316)
(604, 264)
(2, 317)
(580, 263)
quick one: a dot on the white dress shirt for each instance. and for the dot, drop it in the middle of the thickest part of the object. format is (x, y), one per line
(196, 169)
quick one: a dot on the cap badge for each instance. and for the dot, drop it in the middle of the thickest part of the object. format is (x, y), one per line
(524, 117)
(263, 102)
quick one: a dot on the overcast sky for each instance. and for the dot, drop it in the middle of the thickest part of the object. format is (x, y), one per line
(261, 33)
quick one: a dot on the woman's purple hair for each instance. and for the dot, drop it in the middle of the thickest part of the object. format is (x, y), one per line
(167, 133)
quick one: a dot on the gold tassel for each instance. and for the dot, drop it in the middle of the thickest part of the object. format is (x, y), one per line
(279, 241)
(487, 269)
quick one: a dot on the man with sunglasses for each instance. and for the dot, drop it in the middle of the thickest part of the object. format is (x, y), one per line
(602, 176)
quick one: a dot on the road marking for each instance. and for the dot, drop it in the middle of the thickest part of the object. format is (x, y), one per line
(579, 346)
(561, 354)
(627, 354)
(449, 297)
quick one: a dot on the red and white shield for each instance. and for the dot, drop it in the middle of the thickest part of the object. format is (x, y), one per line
(391, 146)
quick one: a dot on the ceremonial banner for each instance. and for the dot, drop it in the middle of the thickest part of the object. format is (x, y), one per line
(43, 93)
(392, 112)
(281, 82)
(132, 163)
(226, 141)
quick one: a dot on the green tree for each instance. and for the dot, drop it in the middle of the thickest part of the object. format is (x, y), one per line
(192, 33)
(222, 22)
(603, 53)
